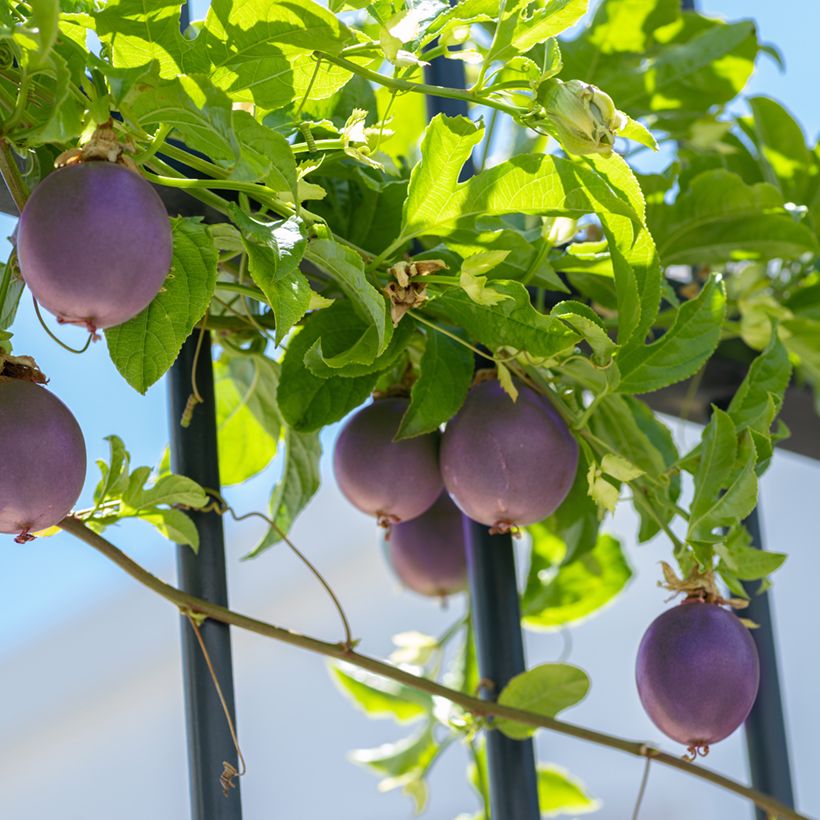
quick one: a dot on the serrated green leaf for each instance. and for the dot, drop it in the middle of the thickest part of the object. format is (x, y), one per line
(308, 402)
(264, 155)
(583, 319)
(545, 690)
(143, 348)
(114, 472)
(787, 160)
(446, 371)
(513, 322)
(620, 467)
(638, 132)
(274, 251)
(379, 697)
(248, 421)
(560, 793)
(682, 350)
(557, 595)
(403, 757)
(720, 218)
(261, 52)
(744, 561)
(139, 33)
(346, 268)
(199, 112)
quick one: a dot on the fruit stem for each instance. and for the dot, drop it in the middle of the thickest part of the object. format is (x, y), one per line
(11, 175)
(198, 606)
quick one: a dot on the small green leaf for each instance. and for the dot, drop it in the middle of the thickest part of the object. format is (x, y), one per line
(545, 690)
(174, 525)
(513, 322)
(248, 421)
(620, 468)
(308, 402)
(682, 350)
(638, 132)
(300, 480)
(557, 595)
(476, 288)
(560, 793)
(143, 348)
(379, 697)
(347, 269)
(746, 562)
(446, 371)
(264, 155)
(584, 320)
(274, 252)
(167, 490)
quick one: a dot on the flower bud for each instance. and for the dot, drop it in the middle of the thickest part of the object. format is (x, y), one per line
(581, 116)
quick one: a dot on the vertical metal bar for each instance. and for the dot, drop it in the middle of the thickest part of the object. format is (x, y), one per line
(194, 454)
(500, 647)
(766, 741)
(493, 588)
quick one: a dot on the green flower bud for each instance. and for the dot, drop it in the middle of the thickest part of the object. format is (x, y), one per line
(581, 116)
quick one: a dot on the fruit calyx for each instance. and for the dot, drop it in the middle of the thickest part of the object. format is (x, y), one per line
(104, 146)
(699, 587)
(21, 367)
(695, 751)
(409, 290)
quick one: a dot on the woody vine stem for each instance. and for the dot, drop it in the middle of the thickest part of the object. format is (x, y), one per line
(191, 605)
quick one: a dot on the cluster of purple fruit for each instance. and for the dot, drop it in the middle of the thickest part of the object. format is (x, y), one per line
(94, 247)
(505, 464)
(508, 465)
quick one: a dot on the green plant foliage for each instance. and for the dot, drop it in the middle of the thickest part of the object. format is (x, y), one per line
(340, 248)
(546, 690)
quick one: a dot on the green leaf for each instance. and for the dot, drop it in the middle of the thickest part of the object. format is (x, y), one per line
(620, 468)
(45, 15)
(524, 26)
(11, 288)
(167, 490)
(725, 480)
(199, 112)
(261, 52)
(787, 161)
(559, 595)
(560, 793)
(379, 697)
(300, 480)
(274, 252)
(682, 350)
(545, 690)
(446, 372)
(762, 388)
(585, 321)
(248, 421)
(345, 266)
(174, 525)
(720, 218)
(139, 33)
(744, 561)
(514, 322)
(114, 473)
(265, 156)
(411, 754)
(638, 132)
(143, 348)
(308, 402)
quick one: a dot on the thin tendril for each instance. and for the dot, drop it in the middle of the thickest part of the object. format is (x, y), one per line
(309, 88)
(196, 397)
(230, 771)
(349, 641)
(642, 789)
(60, 342)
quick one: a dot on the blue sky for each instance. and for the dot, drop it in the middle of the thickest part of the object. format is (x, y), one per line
(39, 579)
